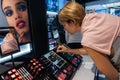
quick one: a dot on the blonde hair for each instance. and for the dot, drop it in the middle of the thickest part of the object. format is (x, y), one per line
(72, 11)
(12, 31)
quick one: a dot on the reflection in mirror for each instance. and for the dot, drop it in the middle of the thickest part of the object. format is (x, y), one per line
(15, 15)
(8, 40)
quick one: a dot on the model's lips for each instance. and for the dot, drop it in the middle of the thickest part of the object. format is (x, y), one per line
(20, 24)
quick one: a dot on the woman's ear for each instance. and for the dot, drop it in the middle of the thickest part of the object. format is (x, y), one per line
(73, 21)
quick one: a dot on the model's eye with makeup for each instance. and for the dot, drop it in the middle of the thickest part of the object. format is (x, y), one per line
(22, 7)
(8, 12)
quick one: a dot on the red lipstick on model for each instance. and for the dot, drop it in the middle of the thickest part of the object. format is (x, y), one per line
(20, 24)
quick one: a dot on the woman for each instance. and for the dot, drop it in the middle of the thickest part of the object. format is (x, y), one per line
(98, 30)
(17, 16)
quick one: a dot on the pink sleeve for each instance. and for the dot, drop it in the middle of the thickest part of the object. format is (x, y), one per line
(99, 31)
(9, 44)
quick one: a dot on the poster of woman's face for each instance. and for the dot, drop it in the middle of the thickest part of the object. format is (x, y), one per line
(14, 13)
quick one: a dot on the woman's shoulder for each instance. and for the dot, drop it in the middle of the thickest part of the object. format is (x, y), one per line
(99, 15)
(95, 15)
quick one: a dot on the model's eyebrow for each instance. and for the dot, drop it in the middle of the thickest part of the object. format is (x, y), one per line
(8, 7)
(21, 3)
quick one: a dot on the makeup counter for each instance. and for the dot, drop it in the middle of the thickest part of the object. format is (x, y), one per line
(50, 66)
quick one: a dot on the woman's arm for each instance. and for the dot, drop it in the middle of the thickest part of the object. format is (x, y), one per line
(103, 64)
(80, 51)
(62, 48)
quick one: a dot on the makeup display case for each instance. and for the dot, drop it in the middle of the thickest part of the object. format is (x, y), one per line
(49, 66)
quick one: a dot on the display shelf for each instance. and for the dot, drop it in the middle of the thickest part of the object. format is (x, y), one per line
(50, 19)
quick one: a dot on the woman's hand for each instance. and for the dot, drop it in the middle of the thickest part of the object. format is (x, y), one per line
(62, 48)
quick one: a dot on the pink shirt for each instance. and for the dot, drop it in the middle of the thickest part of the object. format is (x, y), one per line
(99, 31)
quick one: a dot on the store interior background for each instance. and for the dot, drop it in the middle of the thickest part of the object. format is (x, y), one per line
(51, 32)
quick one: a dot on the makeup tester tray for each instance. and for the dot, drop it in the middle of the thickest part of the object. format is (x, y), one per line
(48, 67)
(60, 68)
(30, 70)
